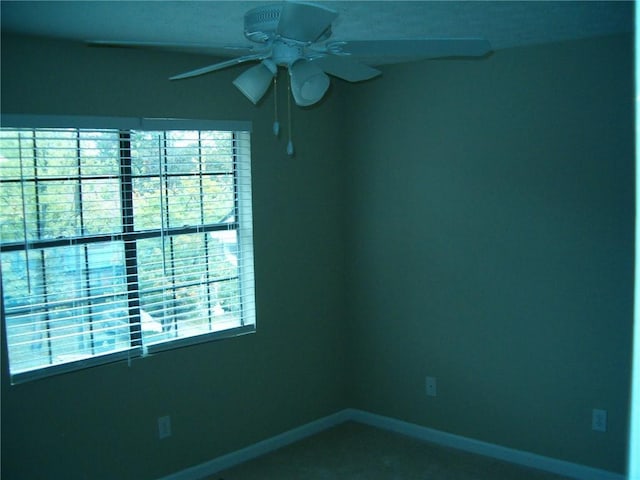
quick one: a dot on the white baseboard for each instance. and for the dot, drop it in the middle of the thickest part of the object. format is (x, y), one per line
(519, 457)
(261, 448)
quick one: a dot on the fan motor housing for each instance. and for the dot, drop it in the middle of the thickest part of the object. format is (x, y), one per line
(261, 23)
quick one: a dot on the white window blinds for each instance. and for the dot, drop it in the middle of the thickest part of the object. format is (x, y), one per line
(115, 242)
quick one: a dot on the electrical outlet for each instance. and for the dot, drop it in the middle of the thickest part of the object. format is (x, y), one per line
(599, 420)
(164, 427)
(431, 386)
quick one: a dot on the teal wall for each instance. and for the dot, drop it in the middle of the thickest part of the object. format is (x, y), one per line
(491, 246)
(101, 423)
(470, 220)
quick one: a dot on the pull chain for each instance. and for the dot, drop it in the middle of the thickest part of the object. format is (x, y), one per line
(276, 123)
(290, 150)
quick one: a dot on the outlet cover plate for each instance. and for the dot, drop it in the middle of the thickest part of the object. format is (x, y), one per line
(599, 420)
(431, 386)
(164, 427)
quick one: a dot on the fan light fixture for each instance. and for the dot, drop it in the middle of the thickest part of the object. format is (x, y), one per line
(255, 81)
(308, 83)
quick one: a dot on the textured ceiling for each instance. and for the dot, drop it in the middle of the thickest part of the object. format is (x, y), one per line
(219, 23)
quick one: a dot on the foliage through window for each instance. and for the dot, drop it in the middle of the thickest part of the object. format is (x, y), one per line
(115, 242)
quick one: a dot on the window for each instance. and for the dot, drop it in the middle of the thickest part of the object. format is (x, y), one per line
(119, 241)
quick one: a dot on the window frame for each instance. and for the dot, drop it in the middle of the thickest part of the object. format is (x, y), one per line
(243, 208)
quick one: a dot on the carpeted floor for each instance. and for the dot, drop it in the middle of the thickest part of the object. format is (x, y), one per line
(353, 451)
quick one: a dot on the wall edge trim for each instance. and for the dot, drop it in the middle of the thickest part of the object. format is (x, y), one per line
(518, 457)
(260, 448)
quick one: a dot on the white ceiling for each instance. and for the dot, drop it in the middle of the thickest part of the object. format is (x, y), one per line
(219, 23)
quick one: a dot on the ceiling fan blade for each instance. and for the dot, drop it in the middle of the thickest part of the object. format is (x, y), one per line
(418, 47)
(304, 22)
(346, 68)
(219, 66)
(199, 48)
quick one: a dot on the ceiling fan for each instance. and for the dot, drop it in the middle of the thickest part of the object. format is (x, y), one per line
(296, 36)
